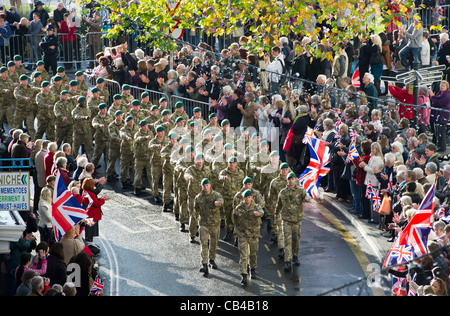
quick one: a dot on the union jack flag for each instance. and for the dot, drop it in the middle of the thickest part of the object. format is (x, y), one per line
(97, 287)
(441, 212)
(66, 210)
(399, 286)
(417, 231)
(369, 190)
(376, 200)
(352, 153)
(390, 185)
(241, 80)
(399, 254)
(308, 134)
(359, 121)
(90, 221)
(318, 167)
(352, 135)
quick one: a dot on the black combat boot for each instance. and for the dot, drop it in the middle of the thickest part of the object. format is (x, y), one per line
(244, 279)
(295, 261)
(204, 269)
(213, 264)
(287, 266)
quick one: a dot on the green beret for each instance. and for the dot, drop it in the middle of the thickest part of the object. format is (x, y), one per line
(225, 122)
(179, 119)
(11, 63)
(36, 74)
(136, 102)
(95, 89)
(57, 78)
(3, 69)
(64, 92)
(172, 135)
(128, 118)
(102, 106)
(78, 73)
(44, 84)
(118, 112)
(165, 112)
(193, 123)
(189, 149)
(205, 181)
(212, 115)
(197, 109)
(17, 57)
(40, 63)
(143, 123)
(247, 193)
(199, 156)
(291, 175)
(284, 165)
(81, 99)
(178, 105)
(184, 141)
(263, 143)
(255, 134)
(244, 128)
(218, 137)
(73, 83)
(60, 69)
(160, 128)
(228, 146)
(100, 80)
(144, 95)
(232, 159)
(274, 153)
(207, 131)
(162, 99)
(155, 107)
(247, 180)
(23, 77)
(126, 87)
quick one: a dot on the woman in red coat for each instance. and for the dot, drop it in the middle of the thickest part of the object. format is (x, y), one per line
(93, 207)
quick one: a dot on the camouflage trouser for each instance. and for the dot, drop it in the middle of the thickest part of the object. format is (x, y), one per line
(280, 235)
(126, 159)
(292, 232)
(176, 199)
(248, 253)
(209, 237)
(83, 139)
(28, 117)
(228, 213)
(47, 126)
(156, 175)
(270, 215)
(193, 219)
(183, 207)
(114, 153)
(64, 134)
(139, 166)
(101, 147)
(8, 113)
(167, 186)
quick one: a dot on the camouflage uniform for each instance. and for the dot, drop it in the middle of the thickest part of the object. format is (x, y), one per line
(45, 115)
(170, 154)
(114, 145)
(275, 186)
(101, 137)
(64, 128)
(257, 197)
(156, 145)
(290, 209)
(25, 99)
(126, 151)
(247, 229)
(208, 215)
(181, 186)
(82, 131)
(142, 156)
(7, 102)
(194, 188)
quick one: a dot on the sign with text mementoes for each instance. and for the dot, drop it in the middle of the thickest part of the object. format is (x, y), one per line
(14, 191)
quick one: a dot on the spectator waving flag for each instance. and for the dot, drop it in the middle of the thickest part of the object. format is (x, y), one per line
(352, 153)
(66, 210)
(399, 254)
(369, 190)
(318, 167)
(416, 232)
(376, 200)
(97, 287)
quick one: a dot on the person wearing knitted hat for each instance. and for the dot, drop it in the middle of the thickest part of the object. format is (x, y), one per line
(82, 128)
(289, 208)
(127, 151)
(25, 99)
(207, 206)
(247, 224)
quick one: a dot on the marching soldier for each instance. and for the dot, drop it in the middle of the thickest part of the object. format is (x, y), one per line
(179, 112)
(94, 101)
(12, 73)
(45, 115)
(143, 154)
(194, 175)
(116, 105)
(247, 222)
(25, 98)
(163, 105)
(40, 68)
(227, 133)
(74, 94)
(215, 151)
(100, 125)
(170, 154)
(231, 178)
(153, 118)
(82, 128)
(104, 92)
(290, 209)
(247, 184)
(181, 185)
(20, 69)
(197, 117)
(180, 127)
(146, 105)
(63, 119)
(177, 155)
(136, 112)
(206, 143)
(213, 124)
(127, 151)
(57, 86)
(156, 144)
(257, 162)
(114, 145)
(165, 121)
(7, 100)
(126, 95)
(61, 71)
(207, 205)
(82, 84)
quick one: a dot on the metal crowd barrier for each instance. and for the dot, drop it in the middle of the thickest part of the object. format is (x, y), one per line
(436, 15)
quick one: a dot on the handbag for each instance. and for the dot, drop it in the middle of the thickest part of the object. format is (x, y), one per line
(288, 139)
(386, 205)
(375, 58)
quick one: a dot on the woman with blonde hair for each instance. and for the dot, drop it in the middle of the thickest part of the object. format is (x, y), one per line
(45, 212)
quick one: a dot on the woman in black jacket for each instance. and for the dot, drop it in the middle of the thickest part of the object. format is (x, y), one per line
(56, 267)
(234, 115)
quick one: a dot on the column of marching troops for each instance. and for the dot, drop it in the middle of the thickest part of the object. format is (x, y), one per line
(219, 178)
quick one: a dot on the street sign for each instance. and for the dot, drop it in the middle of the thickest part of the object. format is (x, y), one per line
(14, 191)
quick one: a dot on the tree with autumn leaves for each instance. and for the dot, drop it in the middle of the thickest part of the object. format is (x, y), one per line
(324, 21)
